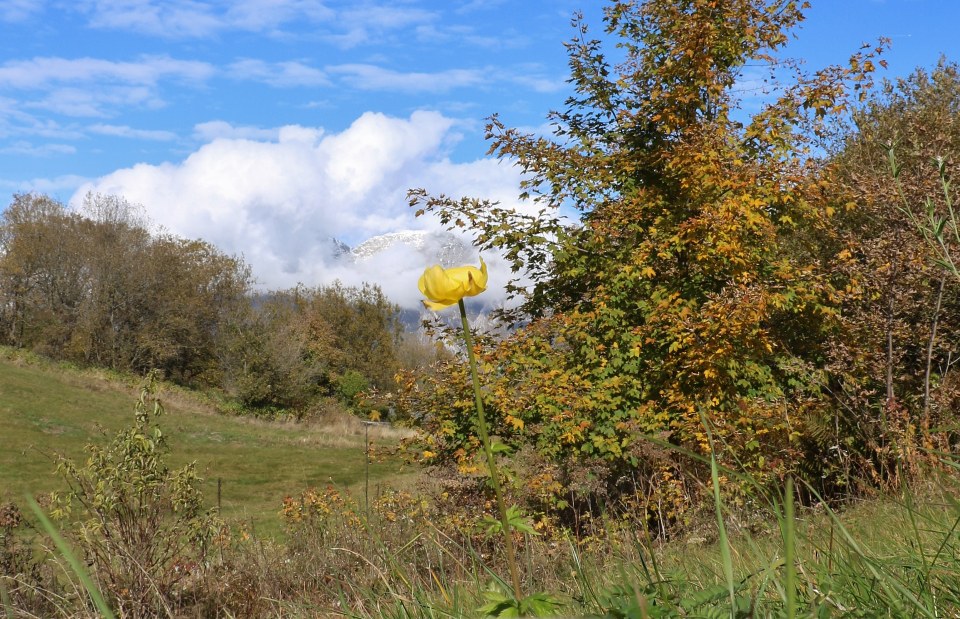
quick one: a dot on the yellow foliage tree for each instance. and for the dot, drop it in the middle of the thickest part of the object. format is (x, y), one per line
(686, 304)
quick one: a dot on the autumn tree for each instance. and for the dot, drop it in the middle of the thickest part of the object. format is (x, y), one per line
(686, 304)
(95, 286)
(366, 328)
(294, 346)
(266, 356)
(891, 360)
(40, 273)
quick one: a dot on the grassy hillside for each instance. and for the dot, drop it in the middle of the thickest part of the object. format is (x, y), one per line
(46, 409)
(893, 556)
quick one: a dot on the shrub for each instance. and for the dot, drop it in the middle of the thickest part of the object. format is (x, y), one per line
(142, 527)
(352, 384)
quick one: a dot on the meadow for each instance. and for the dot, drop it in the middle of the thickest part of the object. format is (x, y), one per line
(728, 390)
(895, 554)
(48, 409)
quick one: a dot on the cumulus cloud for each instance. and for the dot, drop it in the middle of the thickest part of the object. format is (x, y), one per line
(217, 129)
(279, 196)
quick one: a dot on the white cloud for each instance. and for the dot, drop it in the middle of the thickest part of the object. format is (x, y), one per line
(14, 121)
(270, 14)
(193, 19)
(455, 35)
(19, 10)
(123, 131)
(67, 183)
(219, 129)
(479, 5)
(279, 199)
(385, 16)
(42, 72)
(94, 87)
(372, 77)
(370, 23)
(539, 83)
(96, 102)
(282, 74)
(165, 18)
(29, 149)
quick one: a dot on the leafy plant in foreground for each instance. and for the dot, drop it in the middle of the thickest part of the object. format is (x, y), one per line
(142, 527)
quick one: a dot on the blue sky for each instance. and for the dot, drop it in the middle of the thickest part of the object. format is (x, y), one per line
(266, 126)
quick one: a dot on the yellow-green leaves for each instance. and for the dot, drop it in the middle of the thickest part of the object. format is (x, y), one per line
(444, 287)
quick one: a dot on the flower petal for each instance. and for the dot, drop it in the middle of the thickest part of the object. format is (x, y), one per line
(444, 287)
(435, 284)
(436, 307)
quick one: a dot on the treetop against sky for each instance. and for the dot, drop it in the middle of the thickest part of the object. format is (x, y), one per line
(266, 126)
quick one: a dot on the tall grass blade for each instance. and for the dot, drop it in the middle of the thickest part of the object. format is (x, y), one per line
(587, 591)
(890, 585)
(924, 586)
(72, 560)
(790, 552)
(724, 542)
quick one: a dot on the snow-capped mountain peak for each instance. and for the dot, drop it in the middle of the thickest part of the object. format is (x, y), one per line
(444, 248)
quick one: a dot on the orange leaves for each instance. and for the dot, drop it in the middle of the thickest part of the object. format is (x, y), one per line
(514, 422)
(574, 434)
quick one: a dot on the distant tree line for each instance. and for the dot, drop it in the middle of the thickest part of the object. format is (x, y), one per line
(95, 286)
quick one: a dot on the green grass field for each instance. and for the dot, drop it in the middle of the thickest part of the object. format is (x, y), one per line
(895, 555)
(46, 410)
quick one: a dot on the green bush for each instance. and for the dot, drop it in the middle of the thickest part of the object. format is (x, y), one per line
(142, 527)
(352, 384)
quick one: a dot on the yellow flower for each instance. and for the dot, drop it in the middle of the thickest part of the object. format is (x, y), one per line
(444, 287)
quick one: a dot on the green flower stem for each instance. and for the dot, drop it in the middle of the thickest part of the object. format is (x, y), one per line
(491, 462)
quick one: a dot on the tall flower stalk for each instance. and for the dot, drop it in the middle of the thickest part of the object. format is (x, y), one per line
(491, 461)
(443, 288)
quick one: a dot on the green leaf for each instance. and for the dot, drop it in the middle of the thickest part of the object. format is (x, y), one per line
(502, 604)
(703, 597)
(500, 448)
(499, 604)
(539, 605)
(518, 522)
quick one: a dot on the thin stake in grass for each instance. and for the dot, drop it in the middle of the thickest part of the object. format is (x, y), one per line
(7, 602)
(725, 555)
